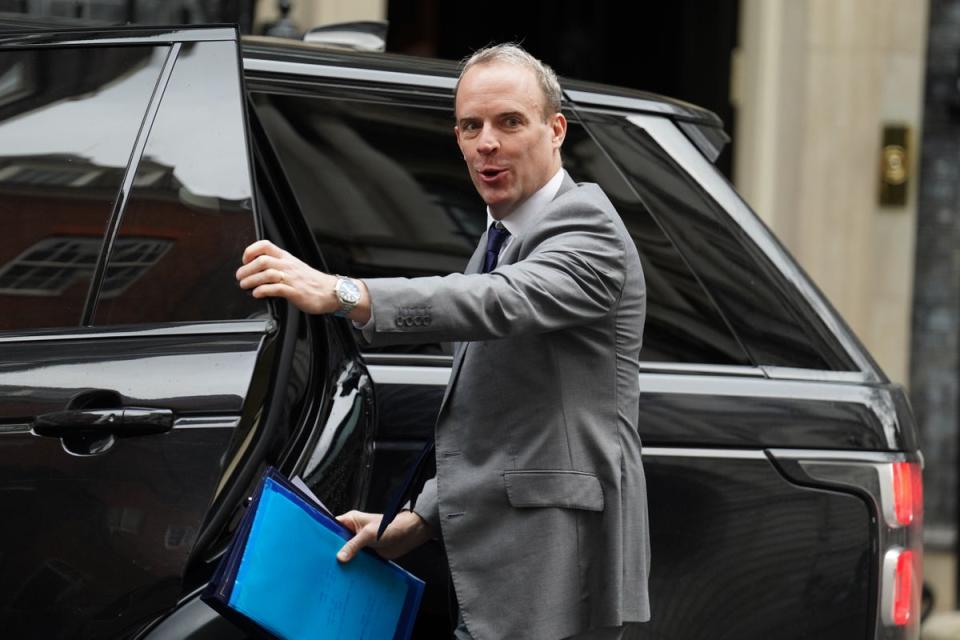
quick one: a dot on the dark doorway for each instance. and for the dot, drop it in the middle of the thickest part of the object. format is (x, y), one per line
(680, 49)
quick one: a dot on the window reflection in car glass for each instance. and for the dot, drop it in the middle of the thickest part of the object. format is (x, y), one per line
(189, 212)
(682, 324)
(739, 280)
(68, 121)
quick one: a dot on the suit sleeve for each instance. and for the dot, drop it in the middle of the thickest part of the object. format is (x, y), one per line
(426, 505)
(570, 271)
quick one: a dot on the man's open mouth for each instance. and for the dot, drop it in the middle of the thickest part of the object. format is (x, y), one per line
(491, 174)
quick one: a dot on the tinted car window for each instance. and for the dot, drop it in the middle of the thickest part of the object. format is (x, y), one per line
(382, 187)
(682, 325)
(68, 121)
(386, 192)
(741, 281)
(189, 215)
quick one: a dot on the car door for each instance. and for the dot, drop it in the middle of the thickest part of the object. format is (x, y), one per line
(131, 365)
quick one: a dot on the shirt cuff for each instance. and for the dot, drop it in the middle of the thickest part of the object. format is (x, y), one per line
(366, 329)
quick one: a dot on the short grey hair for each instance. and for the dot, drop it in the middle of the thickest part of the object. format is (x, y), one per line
(513, 53)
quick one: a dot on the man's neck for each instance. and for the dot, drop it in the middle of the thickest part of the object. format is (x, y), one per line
(518, 216)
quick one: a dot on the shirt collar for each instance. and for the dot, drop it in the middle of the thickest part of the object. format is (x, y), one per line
(519, 219)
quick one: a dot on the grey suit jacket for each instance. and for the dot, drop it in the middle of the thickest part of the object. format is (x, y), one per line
(539, 493)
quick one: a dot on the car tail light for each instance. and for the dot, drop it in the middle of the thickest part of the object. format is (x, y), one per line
(907, 492)
(903, 589)
(901, 572)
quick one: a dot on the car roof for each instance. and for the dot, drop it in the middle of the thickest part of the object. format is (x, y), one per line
(415, 70)
(14, 22)
(443, 73)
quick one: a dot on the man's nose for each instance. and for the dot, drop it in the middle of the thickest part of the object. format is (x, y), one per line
(488, 142)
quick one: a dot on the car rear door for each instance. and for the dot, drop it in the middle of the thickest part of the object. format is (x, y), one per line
(131, 364)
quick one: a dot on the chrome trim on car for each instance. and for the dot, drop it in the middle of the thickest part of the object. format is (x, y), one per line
(144, 331)
(207, 422)
(869, 457)
(347, 73)
(684, 452)
(135, 35)
(187, 422)
(887, 500)
(818, 375)
(406, 374)
(439, 374)
(415, 360)
(688, 382)
(215, 34)
(877, 400)
(706, 369)
(888, 581)
(679, 147)
(618, 102)
(411, 359)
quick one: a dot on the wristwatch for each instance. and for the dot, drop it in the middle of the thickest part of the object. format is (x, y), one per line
(348, 295)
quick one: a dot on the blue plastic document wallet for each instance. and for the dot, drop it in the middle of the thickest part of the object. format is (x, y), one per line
(281, 573)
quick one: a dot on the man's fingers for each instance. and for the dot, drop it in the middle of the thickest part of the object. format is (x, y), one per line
(271, 291)
(259, 264)
(261, 247)
(267, 276)
(350, 520)
(364, 537)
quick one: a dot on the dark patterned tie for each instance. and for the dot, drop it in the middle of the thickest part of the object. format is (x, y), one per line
(496, 236)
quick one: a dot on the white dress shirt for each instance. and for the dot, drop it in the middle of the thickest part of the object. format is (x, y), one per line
(518, 220)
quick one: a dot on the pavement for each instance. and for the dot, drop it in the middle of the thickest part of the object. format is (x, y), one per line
(941, 626)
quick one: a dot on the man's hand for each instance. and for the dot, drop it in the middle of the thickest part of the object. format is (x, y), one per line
(269, 271)
(406, 532)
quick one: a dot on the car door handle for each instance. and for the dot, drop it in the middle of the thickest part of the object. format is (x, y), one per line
(121, 422)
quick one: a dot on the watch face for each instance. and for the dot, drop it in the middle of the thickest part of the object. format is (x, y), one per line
(349, 292)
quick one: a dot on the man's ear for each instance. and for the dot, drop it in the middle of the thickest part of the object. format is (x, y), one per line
(456, 132)
(558, 123)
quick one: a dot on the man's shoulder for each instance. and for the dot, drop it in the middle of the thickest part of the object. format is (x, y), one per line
(580, 214)
(583, 198)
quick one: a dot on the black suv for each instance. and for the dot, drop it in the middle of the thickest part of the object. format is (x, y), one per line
(142, 392)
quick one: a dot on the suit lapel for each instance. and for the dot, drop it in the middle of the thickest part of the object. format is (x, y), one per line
(474, 266)
(513, 249)
(476, 260)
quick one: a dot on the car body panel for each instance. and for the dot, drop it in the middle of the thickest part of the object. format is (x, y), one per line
(102, 517)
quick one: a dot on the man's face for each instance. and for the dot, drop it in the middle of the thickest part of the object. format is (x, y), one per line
(510, 150)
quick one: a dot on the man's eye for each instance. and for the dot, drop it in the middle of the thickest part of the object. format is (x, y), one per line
(512, 122)
(470, 126)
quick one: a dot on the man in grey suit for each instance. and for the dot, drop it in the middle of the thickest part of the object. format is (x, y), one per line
(539, 495)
